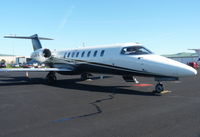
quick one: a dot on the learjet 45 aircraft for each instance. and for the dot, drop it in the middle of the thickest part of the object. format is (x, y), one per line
(127, 60)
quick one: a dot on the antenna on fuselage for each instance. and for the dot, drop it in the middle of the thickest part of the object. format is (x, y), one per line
(83, 44)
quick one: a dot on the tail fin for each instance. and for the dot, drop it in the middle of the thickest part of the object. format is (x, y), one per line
(35, 40)
(198, 52)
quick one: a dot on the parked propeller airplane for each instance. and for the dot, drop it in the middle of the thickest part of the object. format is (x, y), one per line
(127, 60)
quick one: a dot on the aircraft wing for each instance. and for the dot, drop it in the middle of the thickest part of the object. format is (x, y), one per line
(33, 69)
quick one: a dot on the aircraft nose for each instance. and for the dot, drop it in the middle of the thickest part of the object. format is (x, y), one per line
(187, 71)
(168, 67)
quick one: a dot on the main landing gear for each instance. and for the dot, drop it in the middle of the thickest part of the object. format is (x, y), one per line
(51, 77)
(85, 76)
(159, 88)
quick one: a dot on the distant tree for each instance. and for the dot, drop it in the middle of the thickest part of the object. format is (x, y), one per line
(3, 61)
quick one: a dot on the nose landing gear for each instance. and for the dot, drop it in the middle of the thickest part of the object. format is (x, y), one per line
(159, 88)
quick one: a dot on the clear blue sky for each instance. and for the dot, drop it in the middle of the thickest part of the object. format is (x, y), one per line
(164, 26)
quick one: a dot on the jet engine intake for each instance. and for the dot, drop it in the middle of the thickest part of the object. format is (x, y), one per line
(46, 53)
(41, 55)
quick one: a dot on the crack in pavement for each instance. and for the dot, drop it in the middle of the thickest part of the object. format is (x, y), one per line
(95, 104)
(37, 125)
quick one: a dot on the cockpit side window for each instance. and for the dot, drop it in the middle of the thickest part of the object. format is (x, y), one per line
(135, 50)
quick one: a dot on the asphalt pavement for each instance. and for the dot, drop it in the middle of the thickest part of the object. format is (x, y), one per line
(107, 107)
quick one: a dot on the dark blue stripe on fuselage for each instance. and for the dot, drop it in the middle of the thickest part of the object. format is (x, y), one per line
(81, 66)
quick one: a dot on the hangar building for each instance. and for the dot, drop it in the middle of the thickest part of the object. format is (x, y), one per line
(12, 59)
(184, 57)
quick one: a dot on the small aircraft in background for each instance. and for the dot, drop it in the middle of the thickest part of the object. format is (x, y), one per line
(126, 59)
(198, 53)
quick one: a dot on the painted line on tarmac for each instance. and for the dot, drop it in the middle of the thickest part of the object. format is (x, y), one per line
(165, 92)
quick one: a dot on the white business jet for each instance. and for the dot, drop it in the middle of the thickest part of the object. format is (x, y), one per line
(127, 60)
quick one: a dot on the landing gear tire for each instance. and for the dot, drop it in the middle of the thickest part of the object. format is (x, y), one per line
(51, 78)
(159, 88)
(85, 76)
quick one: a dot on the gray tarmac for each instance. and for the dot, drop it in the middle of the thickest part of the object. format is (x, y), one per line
(106, 107)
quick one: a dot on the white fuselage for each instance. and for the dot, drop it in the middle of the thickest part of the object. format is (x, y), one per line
(111, 59)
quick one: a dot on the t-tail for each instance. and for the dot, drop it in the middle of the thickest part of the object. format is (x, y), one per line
(39, 54)
(35, 40)
(198, 52)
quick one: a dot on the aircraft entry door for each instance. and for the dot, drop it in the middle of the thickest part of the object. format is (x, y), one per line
(141, 63)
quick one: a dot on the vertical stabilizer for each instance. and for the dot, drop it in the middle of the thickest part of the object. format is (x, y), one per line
(36, 42)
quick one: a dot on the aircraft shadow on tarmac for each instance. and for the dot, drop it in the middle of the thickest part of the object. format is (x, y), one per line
(73, 84)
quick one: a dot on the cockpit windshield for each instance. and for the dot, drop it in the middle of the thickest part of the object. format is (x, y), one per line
(135, 50)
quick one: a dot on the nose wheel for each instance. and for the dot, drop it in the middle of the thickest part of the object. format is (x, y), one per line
(159, 88)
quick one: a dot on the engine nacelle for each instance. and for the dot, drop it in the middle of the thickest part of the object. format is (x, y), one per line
(41, 55)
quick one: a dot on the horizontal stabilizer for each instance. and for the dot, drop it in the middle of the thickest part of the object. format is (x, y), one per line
(33, 69)
(35, 40)
(197, 51)
(30, 37)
